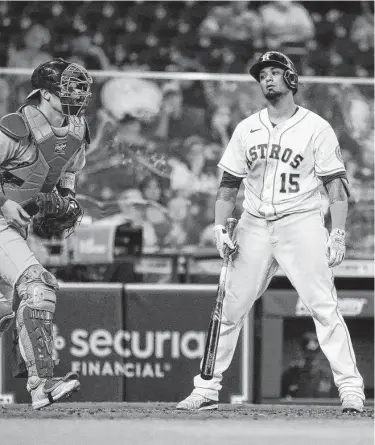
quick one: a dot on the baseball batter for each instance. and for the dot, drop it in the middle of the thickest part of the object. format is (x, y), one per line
(42, 148)
(283, 154)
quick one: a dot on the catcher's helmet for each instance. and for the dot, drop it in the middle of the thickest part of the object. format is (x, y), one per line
(69, 81)
(274, 58)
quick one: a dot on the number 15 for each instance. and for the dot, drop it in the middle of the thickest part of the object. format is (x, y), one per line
(293, 184)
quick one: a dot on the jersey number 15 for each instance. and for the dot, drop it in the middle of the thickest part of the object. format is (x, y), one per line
(289, 183)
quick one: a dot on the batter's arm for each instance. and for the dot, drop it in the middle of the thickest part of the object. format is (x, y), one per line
(337, 187)
(226, 198)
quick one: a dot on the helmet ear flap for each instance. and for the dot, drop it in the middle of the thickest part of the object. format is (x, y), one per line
(291, 79)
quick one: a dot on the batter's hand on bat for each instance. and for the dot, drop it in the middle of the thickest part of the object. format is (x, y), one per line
(336, 247)
(222, 239)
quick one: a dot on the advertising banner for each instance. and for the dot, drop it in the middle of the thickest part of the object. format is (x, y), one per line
(166, 328)
(134, 343)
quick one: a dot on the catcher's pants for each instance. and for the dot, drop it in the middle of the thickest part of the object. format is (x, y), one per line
(15, 258)
(298, 244)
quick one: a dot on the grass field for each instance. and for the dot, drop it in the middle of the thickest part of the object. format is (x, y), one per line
(160, 424)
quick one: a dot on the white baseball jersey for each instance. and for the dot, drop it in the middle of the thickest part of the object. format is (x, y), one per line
(281, 165)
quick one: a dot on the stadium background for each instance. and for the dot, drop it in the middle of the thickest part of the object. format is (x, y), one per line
(157, 136)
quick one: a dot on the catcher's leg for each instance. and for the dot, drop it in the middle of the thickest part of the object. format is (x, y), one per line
(36, 288)
(15, 257)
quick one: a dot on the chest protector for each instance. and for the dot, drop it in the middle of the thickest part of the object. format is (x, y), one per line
(53, 154)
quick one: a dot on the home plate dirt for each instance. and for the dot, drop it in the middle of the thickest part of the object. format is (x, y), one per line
(161, 424)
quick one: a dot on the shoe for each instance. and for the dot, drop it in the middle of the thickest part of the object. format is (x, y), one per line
(352, 404)
(44, 392)
(197, 402)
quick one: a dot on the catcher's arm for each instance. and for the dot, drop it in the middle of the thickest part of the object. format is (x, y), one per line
(66, 187)
(54, 214)
(67, 184)
(58, 212)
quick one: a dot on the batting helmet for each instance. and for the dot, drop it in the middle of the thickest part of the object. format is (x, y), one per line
(69, 81)
(274, 58)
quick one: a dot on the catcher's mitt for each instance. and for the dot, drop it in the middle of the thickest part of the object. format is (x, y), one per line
(56, 214)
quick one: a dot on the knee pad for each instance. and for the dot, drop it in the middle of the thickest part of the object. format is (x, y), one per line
(37, 288)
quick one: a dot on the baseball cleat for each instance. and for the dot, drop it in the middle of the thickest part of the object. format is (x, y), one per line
(44, 392)
(197, 402)
(352, 404)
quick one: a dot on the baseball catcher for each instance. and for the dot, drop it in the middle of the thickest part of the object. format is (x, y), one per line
(43, 148)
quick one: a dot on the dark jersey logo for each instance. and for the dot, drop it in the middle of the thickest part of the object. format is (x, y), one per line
(277, 152)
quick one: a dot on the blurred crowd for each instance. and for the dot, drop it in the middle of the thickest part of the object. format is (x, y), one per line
(154, 155)
(156, 144)
(324, 38)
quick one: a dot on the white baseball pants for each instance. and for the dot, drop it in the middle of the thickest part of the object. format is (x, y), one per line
(298, 244)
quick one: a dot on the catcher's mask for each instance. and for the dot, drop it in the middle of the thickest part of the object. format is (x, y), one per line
(70, 82)
(274, 58)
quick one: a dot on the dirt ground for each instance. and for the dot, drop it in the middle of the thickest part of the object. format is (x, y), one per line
(160, 424)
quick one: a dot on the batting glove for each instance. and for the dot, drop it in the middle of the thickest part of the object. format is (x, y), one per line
(222, 239)
(336, 247)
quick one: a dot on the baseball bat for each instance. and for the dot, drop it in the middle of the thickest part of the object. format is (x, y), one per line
(209, 357)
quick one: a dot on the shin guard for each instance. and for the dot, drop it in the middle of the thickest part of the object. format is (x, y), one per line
(34, 341)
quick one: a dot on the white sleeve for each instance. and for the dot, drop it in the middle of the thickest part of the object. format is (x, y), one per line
(328, 159)
(233, 160)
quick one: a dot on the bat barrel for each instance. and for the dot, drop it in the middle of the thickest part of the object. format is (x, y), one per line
(209, 357)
